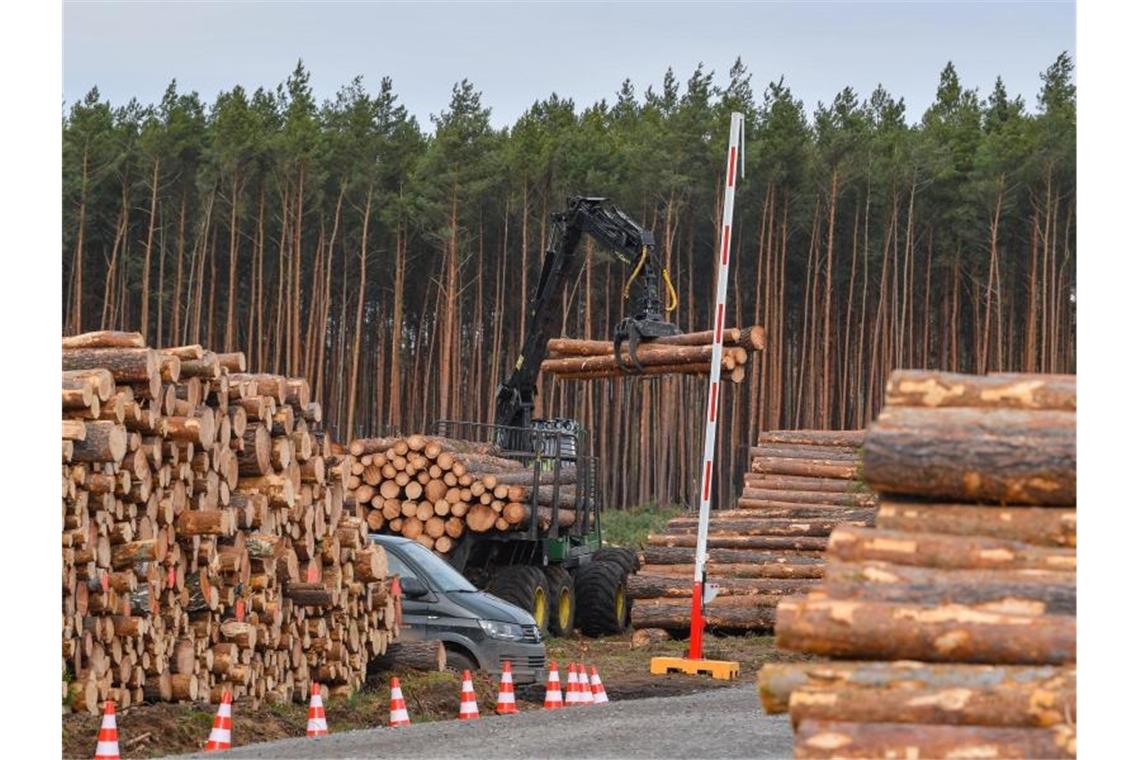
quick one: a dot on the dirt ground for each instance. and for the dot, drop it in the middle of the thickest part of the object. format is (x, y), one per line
(161, 729)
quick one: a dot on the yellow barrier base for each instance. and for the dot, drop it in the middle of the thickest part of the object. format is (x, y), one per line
(724, 670)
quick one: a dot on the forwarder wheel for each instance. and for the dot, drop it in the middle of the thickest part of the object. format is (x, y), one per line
(561, 587)
(602, 601)
(627, 558)
(523, 586)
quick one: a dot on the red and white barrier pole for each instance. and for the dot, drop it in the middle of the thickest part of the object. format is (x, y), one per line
(735, 159)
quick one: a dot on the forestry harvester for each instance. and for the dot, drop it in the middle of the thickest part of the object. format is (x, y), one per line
(557, 569)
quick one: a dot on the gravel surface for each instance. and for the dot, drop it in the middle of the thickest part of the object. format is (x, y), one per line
(724, 723)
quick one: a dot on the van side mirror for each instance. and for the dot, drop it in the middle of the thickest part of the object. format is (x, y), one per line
(413, 588)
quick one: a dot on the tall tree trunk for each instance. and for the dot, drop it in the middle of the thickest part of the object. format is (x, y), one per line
(144, 316)
(352, 377)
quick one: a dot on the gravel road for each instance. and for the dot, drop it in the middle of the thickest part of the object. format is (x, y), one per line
(722, 723)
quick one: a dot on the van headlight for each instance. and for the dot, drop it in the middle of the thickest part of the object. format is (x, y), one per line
(504, 631)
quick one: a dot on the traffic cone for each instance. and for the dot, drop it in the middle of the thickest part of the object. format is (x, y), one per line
(317, 725)
(107, 747)
(579, 677)
(553, 689)
(397, 710)
(468, 706)
(596, 687)
(571, 685)
(220, 733)
(506, 702)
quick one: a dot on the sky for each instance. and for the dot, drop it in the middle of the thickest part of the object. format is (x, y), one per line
(517, 53)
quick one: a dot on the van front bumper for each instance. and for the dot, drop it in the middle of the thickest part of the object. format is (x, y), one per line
(528, 660)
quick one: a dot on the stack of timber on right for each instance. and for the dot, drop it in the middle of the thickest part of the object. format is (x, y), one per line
(801, 486)
(953, 621)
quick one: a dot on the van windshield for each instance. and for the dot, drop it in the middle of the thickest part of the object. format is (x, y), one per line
(440, 574)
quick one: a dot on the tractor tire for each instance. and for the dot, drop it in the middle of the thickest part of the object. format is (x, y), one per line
(627, 558)
(523, 586)
(562, 599)
(603, 605)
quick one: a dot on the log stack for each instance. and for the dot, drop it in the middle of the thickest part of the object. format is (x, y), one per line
(684, 354)
(205, 545)
(802, 484)
(434, 489)
(953, 621)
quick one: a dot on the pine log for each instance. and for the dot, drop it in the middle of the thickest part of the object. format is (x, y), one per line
(1002, 455)
(647, 353)
(789, 451)
(665, 555)
(192, 351)
(874, 571)
(763, 507)
(796, 511)
(1012, 598)
(1043, 526)
(840, 438)
(126, 365)
(218, 522)
(310, 595)
(742, 542)
(199, 429)
(518, 514)
(812, 468)
(942, 633)
(74, 430)
(102, 442)
(567, 476)
(371, 564)
(829, 739)
(730, 371)
(760, 526)
(945, 551)
(480, 518)
(845, 499)
(924, 388)
(726, 613)
(428, 656)
(722, 570)
(104, 339)
(751, 338)
(801, 483)
(778, 681)
(644, 585)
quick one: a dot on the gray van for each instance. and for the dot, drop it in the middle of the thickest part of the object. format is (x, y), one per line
(478, 630)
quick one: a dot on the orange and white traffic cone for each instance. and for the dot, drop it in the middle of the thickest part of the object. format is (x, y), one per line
(107, 747)
(580, 686)
(317, 725)
(397, 709)
(220, 733)
(468, 706)
(571, 685)
(599, 691)
(506, 702)
(553, 699)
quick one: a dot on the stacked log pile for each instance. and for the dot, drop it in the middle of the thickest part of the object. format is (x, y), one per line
(953, 620)
(434, 490)
(802, 484)
(205, 544)
(684, 354)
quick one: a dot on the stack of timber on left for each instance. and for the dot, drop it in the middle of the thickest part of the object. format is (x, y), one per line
(205, 545)
(802, 487)
(954, 617)
(684, 354)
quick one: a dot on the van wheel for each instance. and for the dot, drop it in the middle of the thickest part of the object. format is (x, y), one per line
(562, 601)
(459, 661)
(523, 586)
(603, 606)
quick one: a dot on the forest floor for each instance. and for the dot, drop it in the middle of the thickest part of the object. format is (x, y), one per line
(163, 729)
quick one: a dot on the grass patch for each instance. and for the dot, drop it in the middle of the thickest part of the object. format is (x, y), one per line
(631, 527)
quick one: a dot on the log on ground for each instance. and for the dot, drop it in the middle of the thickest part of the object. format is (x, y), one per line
(742, 542)
(673, 614)
(644, 585)
(828, 739)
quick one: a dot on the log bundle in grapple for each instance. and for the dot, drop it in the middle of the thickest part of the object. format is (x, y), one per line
(434, 489)
(800, 487)
(684, 354)
(954, 619)
(205, 541)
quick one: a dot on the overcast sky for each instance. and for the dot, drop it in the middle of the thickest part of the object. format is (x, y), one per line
(516, 53)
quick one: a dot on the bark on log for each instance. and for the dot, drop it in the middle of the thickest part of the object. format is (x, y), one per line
(778, 681)
(427, 656)
(874, 571)
(126, 365)
(729, 528)
(648, 354)
(722, 570)
(1043, 526)
(946, 633)
(102, 442)
(1001, 455)
(742, 542)
(840, 438)
(1011, 598)
(948, 389)
(844, 499)
(567, 476)
(801, 483)
(746, 337)
(104, 339)
(830, 453)
(812, 468)
(945, 551)
(644, 585)
(828, 739)
(673, 614)
(665, 555)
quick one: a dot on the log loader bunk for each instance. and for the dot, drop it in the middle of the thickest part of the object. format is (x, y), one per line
(560, 572)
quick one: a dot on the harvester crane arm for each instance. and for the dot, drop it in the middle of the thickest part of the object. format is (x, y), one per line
(634, 246)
